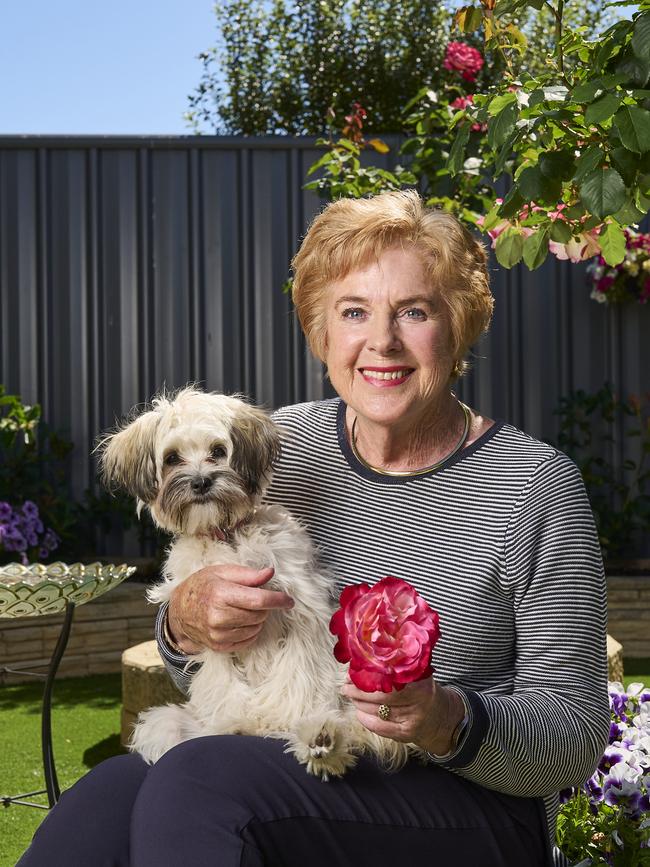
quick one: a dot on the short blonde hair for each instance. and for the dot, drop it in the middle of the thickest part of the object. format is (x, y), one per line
(349, 233)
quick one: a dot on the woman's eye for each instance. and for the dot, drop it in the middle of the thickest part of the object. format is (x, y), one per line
(172, 459)
(352, 313)
(218, 452)
(415, 313)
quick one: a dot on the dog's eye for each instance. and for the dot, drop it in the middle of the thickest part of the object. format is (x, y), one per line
(217, 452)
(172, 459)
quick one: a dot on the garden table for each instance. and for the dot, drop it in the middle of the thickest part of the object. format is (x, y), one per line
(39, 589)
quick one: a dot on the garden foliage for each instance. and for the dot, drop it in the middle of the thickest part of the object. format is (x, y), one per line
(593, 428)
(279, 66)
(606, 822)
(39, 517)
(282, 66)
(572, 138)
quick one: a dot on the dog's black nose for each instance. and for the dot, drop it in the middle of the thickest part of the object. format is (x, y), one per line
(201, 484)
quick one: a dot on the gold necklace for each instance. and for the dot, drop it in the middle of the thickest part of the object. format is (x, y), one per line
(456, 448)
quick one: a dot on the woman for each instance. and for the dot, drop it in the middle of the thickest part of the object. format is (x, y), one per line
(395, 476)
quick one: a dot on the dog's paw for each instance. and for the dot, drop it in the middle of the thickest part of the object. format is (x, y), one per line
(320, 746)
(334, 764)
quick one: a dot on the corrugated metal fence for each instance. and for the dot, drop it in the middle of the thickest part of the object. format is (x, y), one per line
(129, 263)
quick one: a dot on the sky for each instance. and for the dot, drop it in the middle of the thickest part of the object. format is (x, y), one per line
(86, 66)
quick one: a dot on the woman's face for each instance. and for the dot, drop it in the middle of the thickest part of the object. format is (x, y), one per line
(388, 340)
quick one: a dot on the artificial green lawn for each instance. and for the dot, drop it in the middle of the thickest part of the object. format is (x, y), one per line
(85, 730)
(85, 725)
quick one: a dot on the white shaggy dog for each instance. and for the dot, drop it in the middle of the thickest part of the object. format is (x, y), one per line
(201, 462)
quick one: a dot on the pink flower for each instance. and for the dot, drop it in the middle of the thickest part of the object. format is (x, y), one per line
(577, 249)
(462, 102)
(386, 633)
(463, 58)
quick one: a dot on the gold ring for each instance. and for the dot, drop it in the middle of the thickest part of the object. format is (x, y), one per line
(383, 711)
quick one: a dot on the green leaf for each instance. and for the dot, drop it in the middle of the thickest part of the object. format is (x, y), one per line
(504, 153)
(560, 231)
(422, 92)
(557, 164)
(641, 37)
(612, 243)
(626, 162)
(587, 162)
(457, 152)
(588, 90)
(326, 158)
(512, 204)
(536, 247)
(505, 7)
(509, 247)
(603, 192)
(492, 218)
(530, 183)
(636, 69)
(642, 201)
(633, 125)
(502, 125)
(629, 213)
(535, 186)
(555, 93)
(500, 102)
(473, 20)
(602, 109)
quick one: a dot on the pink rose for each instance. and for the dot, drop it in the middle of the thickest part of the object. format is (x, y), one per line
(463, 58)
(462, 102)
(577, 249)
(386, 633)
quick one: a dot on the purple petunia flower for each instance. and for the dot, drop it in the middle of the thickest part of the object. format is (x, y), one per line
(616, 731)
(30, 509)
(43, 553)
(612, 756)
(5, 512)
(50, 540)
(618, 703)
(566, 795)
(622, 788)
(14, 540)
(594, 789)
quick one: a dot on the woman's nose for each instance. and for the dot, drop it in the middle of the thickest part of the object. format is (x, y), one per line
(383, 337)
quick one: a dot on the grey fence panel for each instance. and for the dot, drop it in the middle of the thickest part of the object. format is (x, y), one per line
(127, 264)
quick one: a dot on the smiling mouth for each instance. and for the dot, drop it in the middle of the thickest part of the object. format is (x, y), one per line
(386, 374)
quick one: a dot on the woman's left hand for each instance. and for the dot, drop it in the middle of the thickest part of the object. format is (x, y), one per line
(423, 713)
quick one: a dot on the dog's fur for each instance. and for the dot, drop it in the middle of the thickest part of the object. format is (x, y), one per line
(287, 683)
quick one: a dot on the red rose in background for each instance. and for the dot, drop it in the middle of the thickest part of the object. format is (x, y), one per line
(463, 58)
(386, 633)
(462, 102)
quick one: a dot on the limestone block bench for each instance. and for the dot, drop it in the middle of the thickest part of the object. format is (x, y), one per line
(614, 659)
(145, 682)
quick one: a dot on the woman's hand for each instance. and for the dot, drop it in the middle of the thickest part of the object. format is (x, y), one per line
(423, 713)
(222, 608)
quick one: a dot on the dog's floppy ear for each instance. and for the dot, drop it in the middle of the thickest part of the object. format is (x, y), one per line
(256, 444)
(128, 458)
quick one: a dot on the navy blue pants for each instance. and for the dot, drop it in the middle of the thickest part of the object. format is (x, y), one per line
(233, 801)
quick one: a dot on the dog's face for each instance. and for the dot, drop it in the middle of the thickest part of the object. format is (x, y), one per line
(197, 461)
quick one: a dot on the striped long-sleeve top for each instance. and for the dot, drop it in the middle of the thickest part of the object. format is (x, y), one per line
(501, 541)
